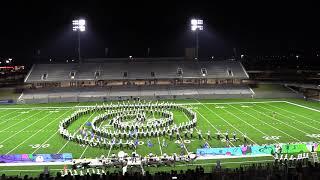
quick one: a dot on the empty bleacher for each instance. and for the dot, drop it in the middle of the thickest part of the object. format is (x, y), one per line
(136, 70)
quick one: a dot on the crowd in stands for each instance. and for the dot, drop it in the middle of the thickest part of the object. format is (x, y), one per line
(254, 171)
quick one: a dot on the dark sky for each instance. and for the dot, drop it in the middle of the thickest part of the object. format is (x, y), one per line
(130, 27)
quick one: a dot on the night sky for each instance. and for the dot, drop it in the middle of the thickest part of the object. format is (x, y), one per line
(130, 27)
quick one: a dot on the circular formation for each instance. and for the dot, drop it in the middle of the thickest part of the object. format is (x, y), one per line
(128, 121)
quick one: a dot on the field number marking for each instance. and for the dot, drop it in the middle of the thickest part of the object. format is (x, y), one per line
(34, 146)
(270, 138)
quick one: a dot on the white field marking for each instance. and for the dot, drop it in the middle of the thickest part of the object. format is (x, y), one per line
(109, 151)
(232, 162)
(85, 149)
(228, 123)
(25, 128)
(289, 117)
(302, 106)
(210, 124)
(88, 145)
(281, 122)
(196, 129)
(296, 114)
(203, 137)
(72, 107)
(47, 139)
(159, 145)
(10, 117)
(69, 141)
(20, 121)
(266, 123)
(5, 113)
(199, 103)
(220, 107)
(248, 124)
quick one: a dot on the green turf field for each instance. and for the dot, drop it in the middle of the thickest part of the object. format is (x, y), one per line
(33, 129)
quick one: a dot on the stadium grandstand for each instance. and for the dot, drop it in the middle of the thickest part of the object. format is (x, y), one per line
(157, 92)
(143, 78)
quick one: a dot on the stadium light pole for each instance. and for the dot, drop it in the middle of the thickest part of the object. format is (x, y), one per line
(79, 25)
(196, 26)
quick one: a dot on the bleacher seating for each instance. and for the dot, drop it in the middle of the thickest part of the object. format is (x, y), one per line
(136, 70)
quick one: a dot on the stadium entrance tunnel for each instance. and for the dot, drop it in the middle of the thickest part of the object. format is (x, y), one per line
(123, 124)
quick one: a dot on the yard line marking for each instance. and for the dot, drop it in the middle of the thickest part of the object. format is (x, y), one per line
(26, 127)
(6, 120)
(289, 118)
(72, 107)
(109, 151)
(197, 129)
(88, 145)
(203, 137)
(249, 124)
(199, 103)
(69, 141)
(20, 121)
(302, 106)
(160, 145)
(3, 112)
(232, 162)
(267, 124)
(47, 139)
(37, 132)
(85, 149)
(227, 122)
(296, 114)
(210, 124)
(282, 122)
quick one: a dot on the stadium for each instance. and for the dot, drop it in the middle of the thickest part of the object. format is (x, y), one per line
(160, 117)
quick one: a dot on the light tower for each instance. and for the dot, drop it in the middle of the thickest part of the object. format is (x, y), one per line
(79, 25)
(196, 26)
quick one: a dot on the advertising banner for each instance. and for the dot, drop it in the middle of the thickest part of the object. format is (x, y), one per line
(27, 158)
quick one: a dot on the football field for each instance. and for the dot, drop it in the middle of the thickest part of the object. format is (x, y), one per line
(33, 129)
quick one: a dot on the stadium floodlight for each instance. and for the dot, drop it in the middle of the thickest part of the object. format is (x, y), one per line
(196, 26)
(79, 25)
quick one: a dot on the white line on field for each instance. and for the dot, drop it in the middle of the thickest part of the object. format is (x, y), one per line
(295, 114)
(289, 117)
(266, 123)
(48, 138)
(3, 112)
(36, 132)
(88, 145)
(109, 151)
(212, 124)
(70, 107)
(25, 128)
(233, 162)
(12, 117)
(196, 128)
(160, 145)
(20, 121)
(227, 122)
(281, 122)
(302, 106)
(69, 141)
(249, 124)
